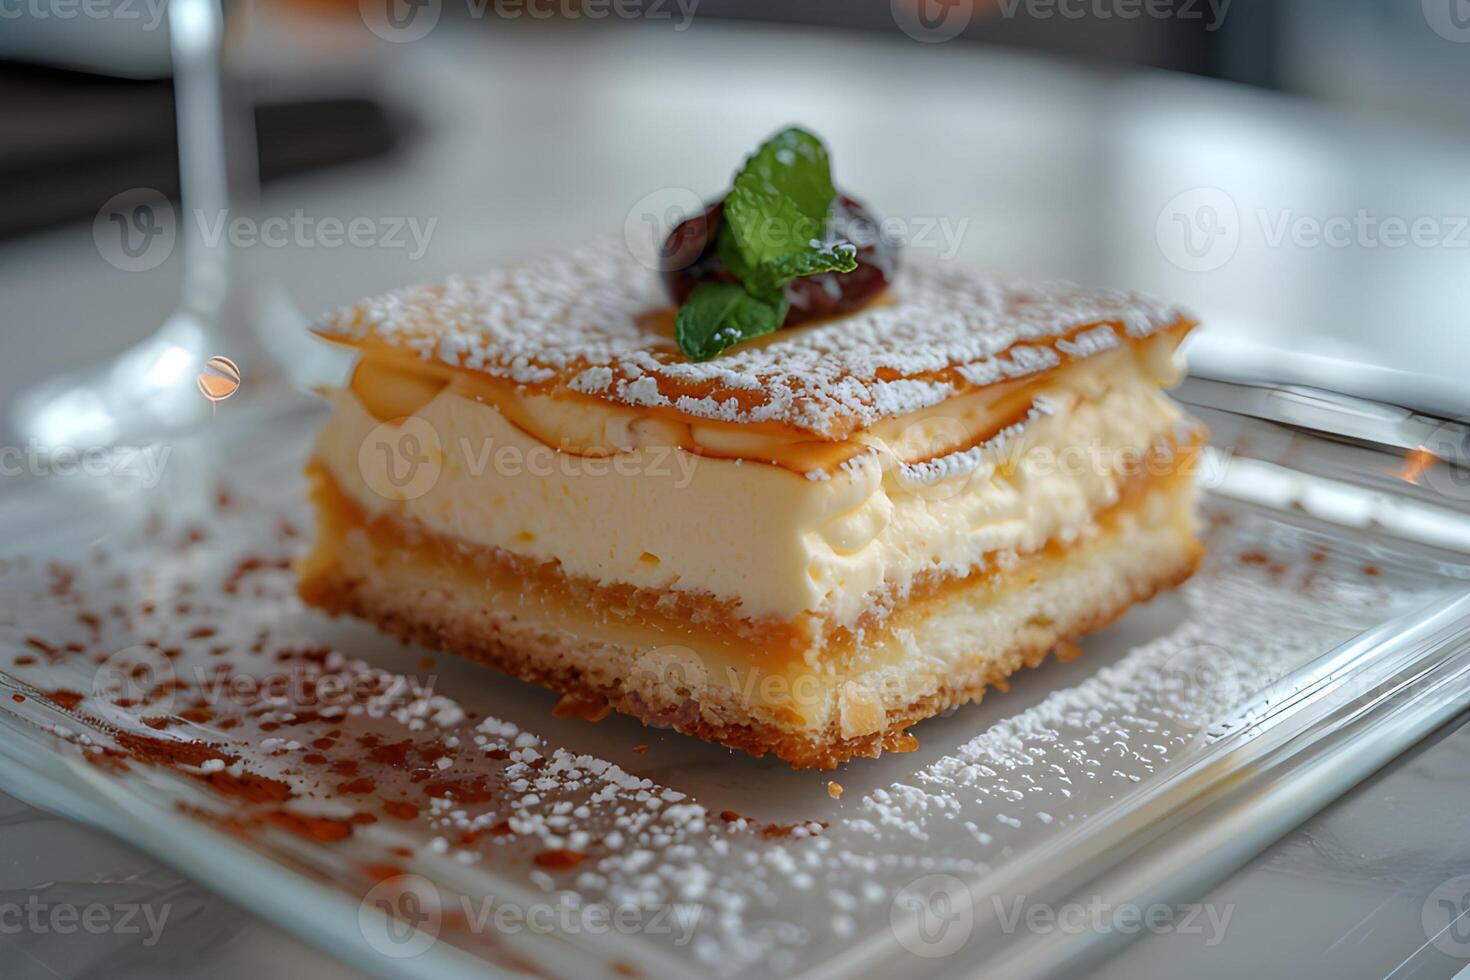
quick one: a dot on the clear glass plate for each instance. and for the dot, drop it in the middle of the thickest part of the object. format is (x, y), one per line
(420, 816)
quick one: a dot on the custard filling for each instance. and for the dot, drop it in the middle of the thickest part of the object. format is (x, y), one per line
(772, 664)
(770, 531)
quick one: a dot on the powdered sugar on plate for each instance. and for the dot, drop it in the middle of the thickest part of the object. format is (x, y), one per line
(180, 664)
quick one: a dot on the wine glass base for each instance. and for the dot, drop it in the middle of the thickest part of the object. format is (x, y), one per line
(145, 391)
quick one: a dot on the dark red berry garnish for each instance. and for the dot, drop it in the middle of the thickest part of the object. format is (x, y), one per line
(691, 256)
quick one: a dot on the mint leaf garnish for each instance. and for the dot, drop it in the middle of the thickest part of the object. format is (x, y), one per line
(814, 258)
(818, 257)
(773, 230)
(766, 225)
(793, 164)
(719, 314)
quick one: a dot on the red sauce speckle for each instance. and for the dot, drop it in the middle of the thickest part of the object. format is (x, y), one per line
(400, 810)
(382, 872)
(315, 828)
(394, 754)
(559, 858)
(461, 790)
(66, 700)
(36, 643)
(248, 786)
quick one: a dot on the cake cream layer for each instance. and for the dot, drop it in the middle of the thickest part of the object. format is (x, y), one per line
(936, 651)
(768, 542)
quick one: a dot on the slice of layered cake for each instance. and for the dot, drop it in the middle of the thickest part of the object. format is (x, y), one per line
(798, 540)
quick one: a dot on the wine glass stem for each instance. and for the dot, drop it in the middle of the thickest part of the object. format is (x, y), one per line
(196, 33)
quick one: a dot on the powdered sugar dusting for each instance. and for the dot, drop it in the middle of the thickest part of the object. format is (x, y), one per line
(586, 319)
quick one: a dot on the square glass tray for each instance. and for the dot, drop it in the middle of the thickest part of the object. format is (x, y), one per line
(419, 816)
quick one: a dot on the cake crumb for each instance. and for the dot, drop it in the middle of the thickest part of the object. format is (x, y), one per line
(1067, 651)
(573, 706)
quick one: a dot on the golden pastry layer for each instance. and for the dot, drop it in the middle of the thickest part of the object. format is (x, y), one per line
(593, 321)
(675, 665)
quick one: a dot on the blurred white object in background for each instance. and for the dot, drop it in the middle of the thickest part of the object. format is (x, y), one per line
(223, 312)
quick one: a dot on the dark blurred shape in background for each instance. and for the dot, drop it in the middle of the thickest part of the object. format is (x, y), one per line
(99, 116)
(73, 138)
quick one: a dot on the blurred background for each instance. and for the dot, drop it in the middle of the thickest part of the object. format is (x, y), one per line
(185, 181)
(1294, 171)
